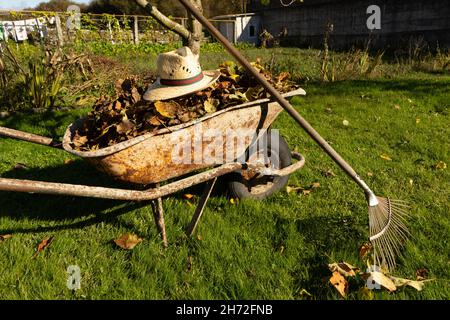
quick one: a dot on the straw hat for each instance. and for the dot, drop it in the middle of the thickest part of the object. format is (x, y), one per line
(179, 73)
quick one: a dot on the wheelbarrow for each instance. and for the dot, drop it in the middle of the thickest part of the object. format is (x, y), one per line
(256, 167)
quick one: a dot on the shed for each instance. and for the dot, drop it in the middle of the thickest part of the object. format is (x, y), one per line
(244, 27)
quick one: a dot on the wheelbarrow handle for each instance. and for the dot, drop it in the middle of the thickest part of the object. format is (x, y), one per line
(29, 137)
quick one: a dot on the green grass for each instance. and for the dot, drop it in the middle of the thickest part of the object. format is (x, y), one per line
(271, 249)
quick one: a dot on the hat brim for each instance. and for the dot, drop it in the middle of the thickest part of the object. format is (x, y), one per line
(158, 91)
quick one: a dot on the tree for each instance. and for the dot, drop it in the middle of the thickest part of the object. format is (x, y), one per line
(192, 35)
(57, 5)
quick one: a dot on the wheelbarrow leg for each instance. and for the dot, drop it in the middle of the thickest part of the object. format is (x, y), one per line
(158, 213)
(201, 206)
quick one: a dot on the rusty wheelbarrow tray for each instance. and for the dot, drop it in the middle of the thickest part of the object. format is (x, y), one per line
(146, 160)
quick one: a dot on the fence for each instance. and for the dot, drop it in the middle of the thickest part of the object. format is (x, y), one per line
(67, 27)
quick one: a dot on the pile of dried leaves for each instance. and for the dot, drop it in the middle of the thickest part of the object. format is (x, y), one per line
(114, 120)
(374, 278)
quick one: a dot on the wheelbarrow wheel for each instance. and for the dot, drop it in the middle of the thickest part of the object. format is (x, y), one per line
(276, 154)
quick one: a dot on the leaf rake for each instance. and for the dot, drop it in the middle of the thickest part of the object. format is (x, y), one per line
(387, 223)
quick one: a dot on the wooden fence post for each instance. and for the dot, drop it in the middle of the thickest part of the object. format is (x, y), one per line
(59, 31)
(136, 30)
(110, 32)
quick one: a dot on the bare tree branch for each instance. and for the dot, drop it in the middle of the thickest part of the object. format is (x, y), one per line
(165, 21)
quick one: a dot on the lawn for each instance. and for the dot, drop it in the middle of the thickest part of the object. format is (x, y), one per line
(278, 248)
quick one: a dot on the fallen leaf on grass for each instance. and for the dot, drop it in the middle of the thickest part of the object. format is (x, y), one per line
(397, 107)
(44, 244)
(344, 268)
(233, 201)
(364, 250)
(20, 166)
(128, 241)
(329, 173)
(441, 165)
(370, 174)
(378, 279)
(345, 123)
(421, 274)
(68, 161)
(305, 191)
(4, 237)
(385, 157)
(304, 292)
(400, 282)
(188, 196)
(189, 263)
(339, 282)
(417, 120)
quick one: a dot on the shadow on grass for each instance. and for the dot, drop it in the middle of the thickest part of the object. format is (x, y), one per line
(48, 208)
(62, 208)
(323, 234)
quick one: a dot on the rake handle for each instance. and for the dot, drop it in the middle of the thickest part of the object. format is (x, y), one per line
(276, 95)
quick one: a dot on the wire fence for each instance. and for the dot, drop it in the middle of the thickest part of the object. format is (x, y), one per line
(66, 27)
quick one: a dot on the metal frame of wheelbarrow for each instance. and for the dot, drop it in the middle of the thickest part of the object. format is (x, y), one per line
(154, 194)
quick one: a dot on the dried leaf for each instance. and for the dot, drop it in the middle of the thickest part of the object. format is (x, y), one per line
(135, 95)
(369, 174)
(4, 237)
(417, 120)
(315, 185)
(283, 76)
(290, 189)
(365, 249)
(209, 107)
(68, 161)
(421, 274)
(345, 123)
(400, 282)
(379, 279)
(397, 107)
(44, 244)
(441, 165)
(79, 141)
(128, 241)
(125, 126)
(20, 166)
(385, 157)
(329, 173)
(304, 292)
(167, 109)
(339, 282)
(188, 196)
(344, 268)
(154, 121)
(189, 263)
